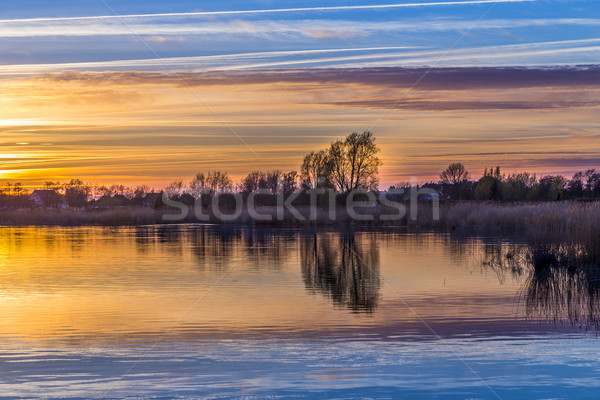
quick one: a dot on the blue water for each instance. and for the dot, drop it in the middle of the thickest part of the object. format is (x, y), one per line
(199, 312)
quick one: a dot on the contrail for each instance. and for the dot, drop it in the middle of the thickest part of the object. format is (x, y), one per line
(194, 59)
(268, 11)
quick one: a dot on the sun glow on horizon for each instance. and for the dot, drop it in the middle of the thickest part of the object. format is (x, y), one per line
(110, 128)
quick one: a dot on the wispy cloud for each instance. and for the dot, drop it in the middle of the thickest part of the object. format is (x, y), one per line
(267, 11)
(211, 62)
(539, 53)
(272, 29)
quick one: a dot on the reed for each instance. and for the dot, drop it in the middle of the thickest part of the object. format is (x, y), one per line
(558, 234)
(128, 216)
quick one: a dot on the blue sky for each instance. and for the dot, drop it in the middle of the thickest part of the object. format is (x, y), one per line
(535, 32)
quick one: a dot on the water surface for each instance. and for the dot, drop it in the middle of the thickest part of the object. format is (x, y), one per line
(192, 311)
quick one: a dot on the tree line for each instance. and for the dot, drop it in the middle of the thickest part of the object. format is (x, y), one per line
(345, 165)
(456, 183)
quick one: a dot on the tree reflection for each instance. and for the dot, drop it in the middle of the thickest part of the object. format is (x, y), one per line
(560, 295)
(217, 250)
(343, 268)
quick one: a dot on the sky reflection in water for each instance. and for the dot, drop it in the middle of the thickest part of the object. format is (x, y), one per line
(198, 310)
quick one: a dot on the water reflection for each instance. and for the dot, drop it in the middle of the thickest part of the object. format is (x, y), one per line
(344, 268)
(556, 295)
(560, 296)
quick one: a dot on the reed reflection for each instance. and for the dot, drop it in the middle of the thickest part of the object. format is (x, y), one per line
(551, 294)
(560, 295)
(342, 267)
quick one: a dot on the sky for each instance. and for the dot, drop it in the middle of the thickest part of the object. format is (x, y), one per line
(149, 92)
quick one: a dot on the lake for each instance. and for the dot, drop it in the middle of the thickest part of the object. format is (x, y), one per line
(226, 312)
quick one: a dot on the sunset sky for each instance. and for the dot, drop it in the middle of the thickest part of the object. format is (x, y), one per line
(147, 92)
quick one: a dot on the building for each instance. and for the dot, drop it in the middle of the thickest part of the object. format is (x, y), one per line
(46, 198)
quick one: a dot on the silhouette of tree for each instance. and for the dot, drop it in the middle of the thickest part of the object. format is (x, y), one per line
(214, 181)
(575, 185)
(218, 181)
(455, 174)
(489, 186)
(315, 171)
(354, 162)
(76, 193)
(174, 187)
(592, 180)
(551, 187)
(289, 182)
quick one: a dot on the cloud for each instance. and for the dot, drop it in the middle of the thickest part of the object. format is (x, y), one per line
(263, 11)
(165, 39)
(324, 33)
(473, 105)
(207, 62)
(538, 53)
(434, 79)
(312, 28)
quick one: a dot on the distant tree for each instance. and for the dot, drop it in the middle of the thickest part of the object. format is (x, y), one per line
(219, 181)
(456, 178)
(76, 193)
(551, 187)
(198, 184)
(214, 181)
(251, 182)
(575, 185)
(289, 182)
(105, 191)
(520, 186)
(271, 181)
(118, 189)
(489, 186)
(315, 171)
(455, 174)
(592, 181)
(141, 191)
(175, 187)
(354, 162)
(17, 188)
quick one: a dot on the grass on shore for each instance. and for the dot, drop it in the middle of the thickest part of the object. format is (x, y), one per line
(558, 234)
(114, 217)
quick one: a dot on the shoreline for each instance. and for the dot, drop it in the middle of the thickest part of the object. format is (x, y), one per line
(458, 215)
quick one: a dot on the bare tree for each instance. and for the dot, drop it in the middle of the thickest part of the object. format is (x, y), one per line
(214, 181)
(289, 182)
(198, 184)
(592, 178)
(141, 191)
(174, 187)
(354, 162)
(455, 173)
(315, 170)
(218, 181)
(251, 182)
(104, 191)
(76, 193)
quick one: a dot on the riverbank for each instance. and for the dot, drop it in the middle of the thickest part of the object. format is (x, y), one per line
(557, 219)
